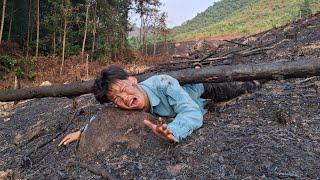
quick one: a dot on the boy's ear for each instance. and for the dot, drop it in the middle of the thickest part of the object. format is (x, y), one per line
(133, 79)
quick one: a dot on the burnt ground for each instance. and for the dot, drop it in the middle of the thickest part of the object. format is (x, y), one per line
(271, 133)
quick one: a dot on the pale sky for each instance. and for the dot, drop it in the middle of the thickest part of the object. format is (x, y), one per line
(181, 10)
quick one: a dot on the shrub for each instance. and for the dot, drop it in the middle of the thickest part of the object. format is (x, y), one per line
(21, 68)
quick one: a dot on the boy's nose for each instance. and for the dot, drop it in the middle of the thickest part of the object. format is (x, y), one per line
(125, 97)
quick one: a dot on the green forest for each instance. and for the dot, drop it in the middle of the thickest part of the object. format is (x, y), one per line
(97, 29)
(243, 17)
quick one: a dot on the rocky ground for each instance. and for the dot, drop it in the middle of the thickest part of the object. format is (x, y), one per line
(271, 133)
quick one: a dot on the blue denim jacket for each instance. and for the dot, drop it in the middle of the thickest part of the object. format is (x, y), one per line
(183, 103)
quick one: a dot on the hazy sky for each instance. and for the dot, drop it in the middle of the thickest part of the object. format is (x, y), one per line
(181, 10)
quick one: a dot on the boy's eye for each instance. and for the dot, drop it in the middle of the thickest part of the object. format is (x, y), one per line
(123, 89)
(116, 100)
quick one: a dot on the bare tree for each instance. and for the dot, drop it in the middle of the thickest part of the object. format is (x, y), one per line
(65, 14)
(10, 23)
(38, 28)
(29, 24)
(163, 30)
(2, 19)
(54, 42)
(146, 9)
(156, 28)
(85, 32)
(94, 30)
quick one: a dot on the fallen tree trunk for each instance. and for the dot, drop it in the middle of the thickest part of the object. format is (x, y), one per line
(303, 67)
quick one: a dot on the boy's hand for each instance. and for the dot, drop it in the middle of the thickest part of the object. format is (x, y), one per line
(70, 138)
(161, 130)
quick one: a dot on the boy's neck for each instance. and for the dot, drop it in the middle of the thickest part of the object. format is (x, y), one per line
(146, 107)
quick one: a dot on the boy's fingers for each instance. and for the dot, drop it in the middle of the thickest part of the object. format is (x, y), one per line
(67, 142)
(172, 138)
(164, 131)
(164, 126)
(149, 124)
(63, 140)
(161, 131)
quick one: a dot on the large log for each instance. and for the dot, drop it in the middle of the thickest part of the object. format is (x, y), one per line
(303, 67)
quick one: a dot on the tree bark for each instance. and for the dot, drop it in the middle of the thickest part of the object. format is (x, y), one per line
(155, 34)
(38, 28)
(226, 73)
(10, 25)
(29, 24)
(94, 31)
(2, 19)
(64, 39)
(85, 33)
(54, 42)
(87, 67)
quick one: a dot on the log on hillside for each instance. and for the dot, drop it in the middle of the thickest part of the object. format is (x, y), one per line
(303, 67)
(283, 69)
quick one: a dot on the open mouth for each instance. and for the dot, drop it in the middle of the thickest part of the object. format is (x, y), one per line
(134, 102)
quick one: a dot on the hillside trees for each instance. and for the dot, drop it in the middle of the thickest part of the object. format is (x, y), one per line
(149, 13)
(243, 17)
(217, 12)
(67, 27)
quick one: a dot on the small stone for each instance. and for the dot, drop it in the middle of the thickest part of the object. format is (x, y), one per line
(124, 157)
(6, 174)
(214, 155)
(139, 166)
(174, 170)
(221, 159)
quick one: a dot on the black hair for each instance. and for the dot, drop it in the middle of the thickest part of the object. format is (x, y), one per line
(103, 83)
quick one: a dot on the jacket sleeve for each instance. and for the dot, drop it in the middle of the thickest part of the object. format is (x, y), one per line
(188, 114)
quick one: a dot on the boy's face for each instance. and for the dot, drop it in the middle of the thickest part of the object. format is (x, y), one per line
(128, 95)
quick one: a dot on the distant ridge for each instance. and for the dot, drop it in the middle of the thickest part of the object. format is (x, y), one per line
(241, 17)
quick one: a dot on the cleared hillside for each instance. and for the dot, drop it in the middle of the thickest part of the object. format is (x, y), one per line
(252, 17)
(213, 14)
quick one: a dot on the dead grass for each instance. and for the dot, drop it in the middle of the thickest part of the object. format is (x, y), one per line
(47, 68)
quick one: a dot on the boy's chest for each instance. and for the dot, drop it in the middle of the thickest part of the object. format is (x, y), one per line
(164, 109)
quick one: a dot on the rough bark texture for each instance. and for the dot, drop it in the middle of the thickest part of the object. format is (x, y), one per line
(85, 33)
(29, 25)
(38, 28)
(225, 73)
(94, 31)
(113, 125)
(245, 72)
(2, 19)
(64, 40)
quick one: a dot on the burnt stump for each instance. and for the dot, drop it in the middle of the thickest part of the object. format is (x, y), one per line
(113, 125)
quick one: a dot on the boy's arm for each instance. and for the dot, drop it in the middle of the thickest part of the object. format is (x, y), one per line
(75, 135)
(189, 116)
(70, 138)
(161, 130)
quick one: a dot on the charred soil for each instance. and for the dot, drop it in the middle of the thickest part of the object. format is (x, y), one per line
(271, 133)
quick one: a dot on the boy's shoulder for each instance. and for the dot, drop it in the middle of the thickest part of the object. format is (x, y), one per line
(159, 80)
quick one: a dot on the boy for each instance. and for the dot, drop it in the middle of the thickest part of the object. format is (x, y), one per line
(162, 95)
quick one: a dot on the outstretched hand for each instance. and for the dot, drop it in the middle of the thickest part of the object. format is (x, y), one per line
(161, 130)
(70, 138)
